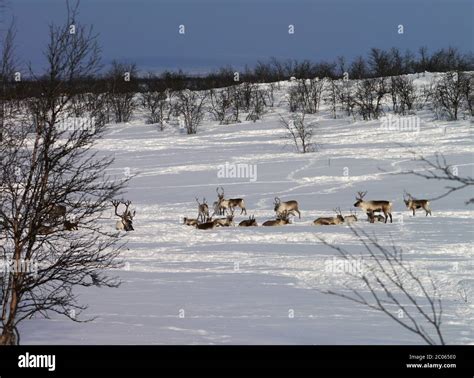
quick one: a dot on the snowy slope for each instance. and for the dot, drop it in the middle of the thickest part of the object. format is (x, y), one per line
(262, 285)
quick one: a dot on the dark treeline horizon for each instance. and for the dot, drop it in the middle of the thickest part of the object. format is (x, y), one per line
(376, 63)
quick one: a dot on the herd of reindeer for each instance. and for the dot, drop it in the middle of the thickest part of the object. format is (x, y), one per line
(226, 207)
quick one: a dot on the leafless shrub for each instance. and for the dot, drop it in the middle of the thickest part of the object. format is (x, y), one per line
(449, 94)
(300, 132)
(306, 95)
(155, 100)
(257, 104)
(403, 93)
(224, 105)
(121, 90)
(190, 105)
(368, 96)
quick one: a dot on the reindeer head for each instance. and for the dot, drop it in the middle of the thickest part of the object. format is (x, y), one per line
(407, 198)
(252, 221)
(220, 194)
(277, 203)
(360, 198)
(339, 214)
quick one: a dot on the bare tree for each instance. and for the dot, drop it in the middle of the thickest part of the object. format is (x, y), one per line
(222, 105)
(379, 278)
(52, 183)
(368, 96)
(449, 93)
(122, 90)
(155, 99)
(300, 132)
(403, 93)
(8, 65)
(257, 104)
(190, 105)
(306, 95)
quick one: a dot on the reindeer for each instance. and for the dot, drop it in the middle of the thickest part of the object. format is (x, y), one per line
(251, 222)
(375, 217)
(70, 226)
(224, 222)
(326, 221)
(56, 211)
(190, 221)
(279, 221)
(208, 224)
(45, 230)
(126, 218)
(350, 218)
(221, 205)
(203, 210)
(230, 204)
(286, 207)
(374, 206)
(413, 204)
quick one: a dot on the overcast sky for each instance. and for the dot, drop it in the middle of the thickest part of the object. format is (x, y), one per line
(238, 32)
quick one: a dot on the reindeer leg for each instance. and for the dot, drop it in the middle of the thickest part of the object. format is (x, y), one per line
(413, 211)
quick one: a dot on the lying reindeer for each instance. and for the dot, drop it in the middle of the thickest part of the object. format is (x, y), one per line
(126, 218)
(190, 222)
(286, 207)
(350, 218)
(224, 222)
(326, 221)
(413, 204)
(374, 206)
(251, 222)
(280, 221)
(208, 224)
(70, 226)
(45, 230)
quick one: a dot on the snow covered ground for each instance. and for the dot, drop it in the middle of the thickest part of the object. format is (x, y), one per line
(262, 284)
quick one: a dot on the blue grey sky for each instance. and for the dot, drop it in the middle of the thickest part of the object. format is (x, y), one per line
(238, 32)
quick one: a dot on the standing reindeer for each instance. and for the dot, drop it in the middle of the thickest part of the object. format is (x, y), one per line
(374, 206)
(230, 204)
(413, 204)
(251, 222)
(203, 210)
(326, 221)
(126, 218)
(286, 207)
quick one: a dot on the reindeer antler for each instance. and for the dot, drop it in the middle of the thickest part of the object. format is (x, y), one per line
(409, 196)
(277, 200)
(337, 210)
(361, 195)
(116, 204)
